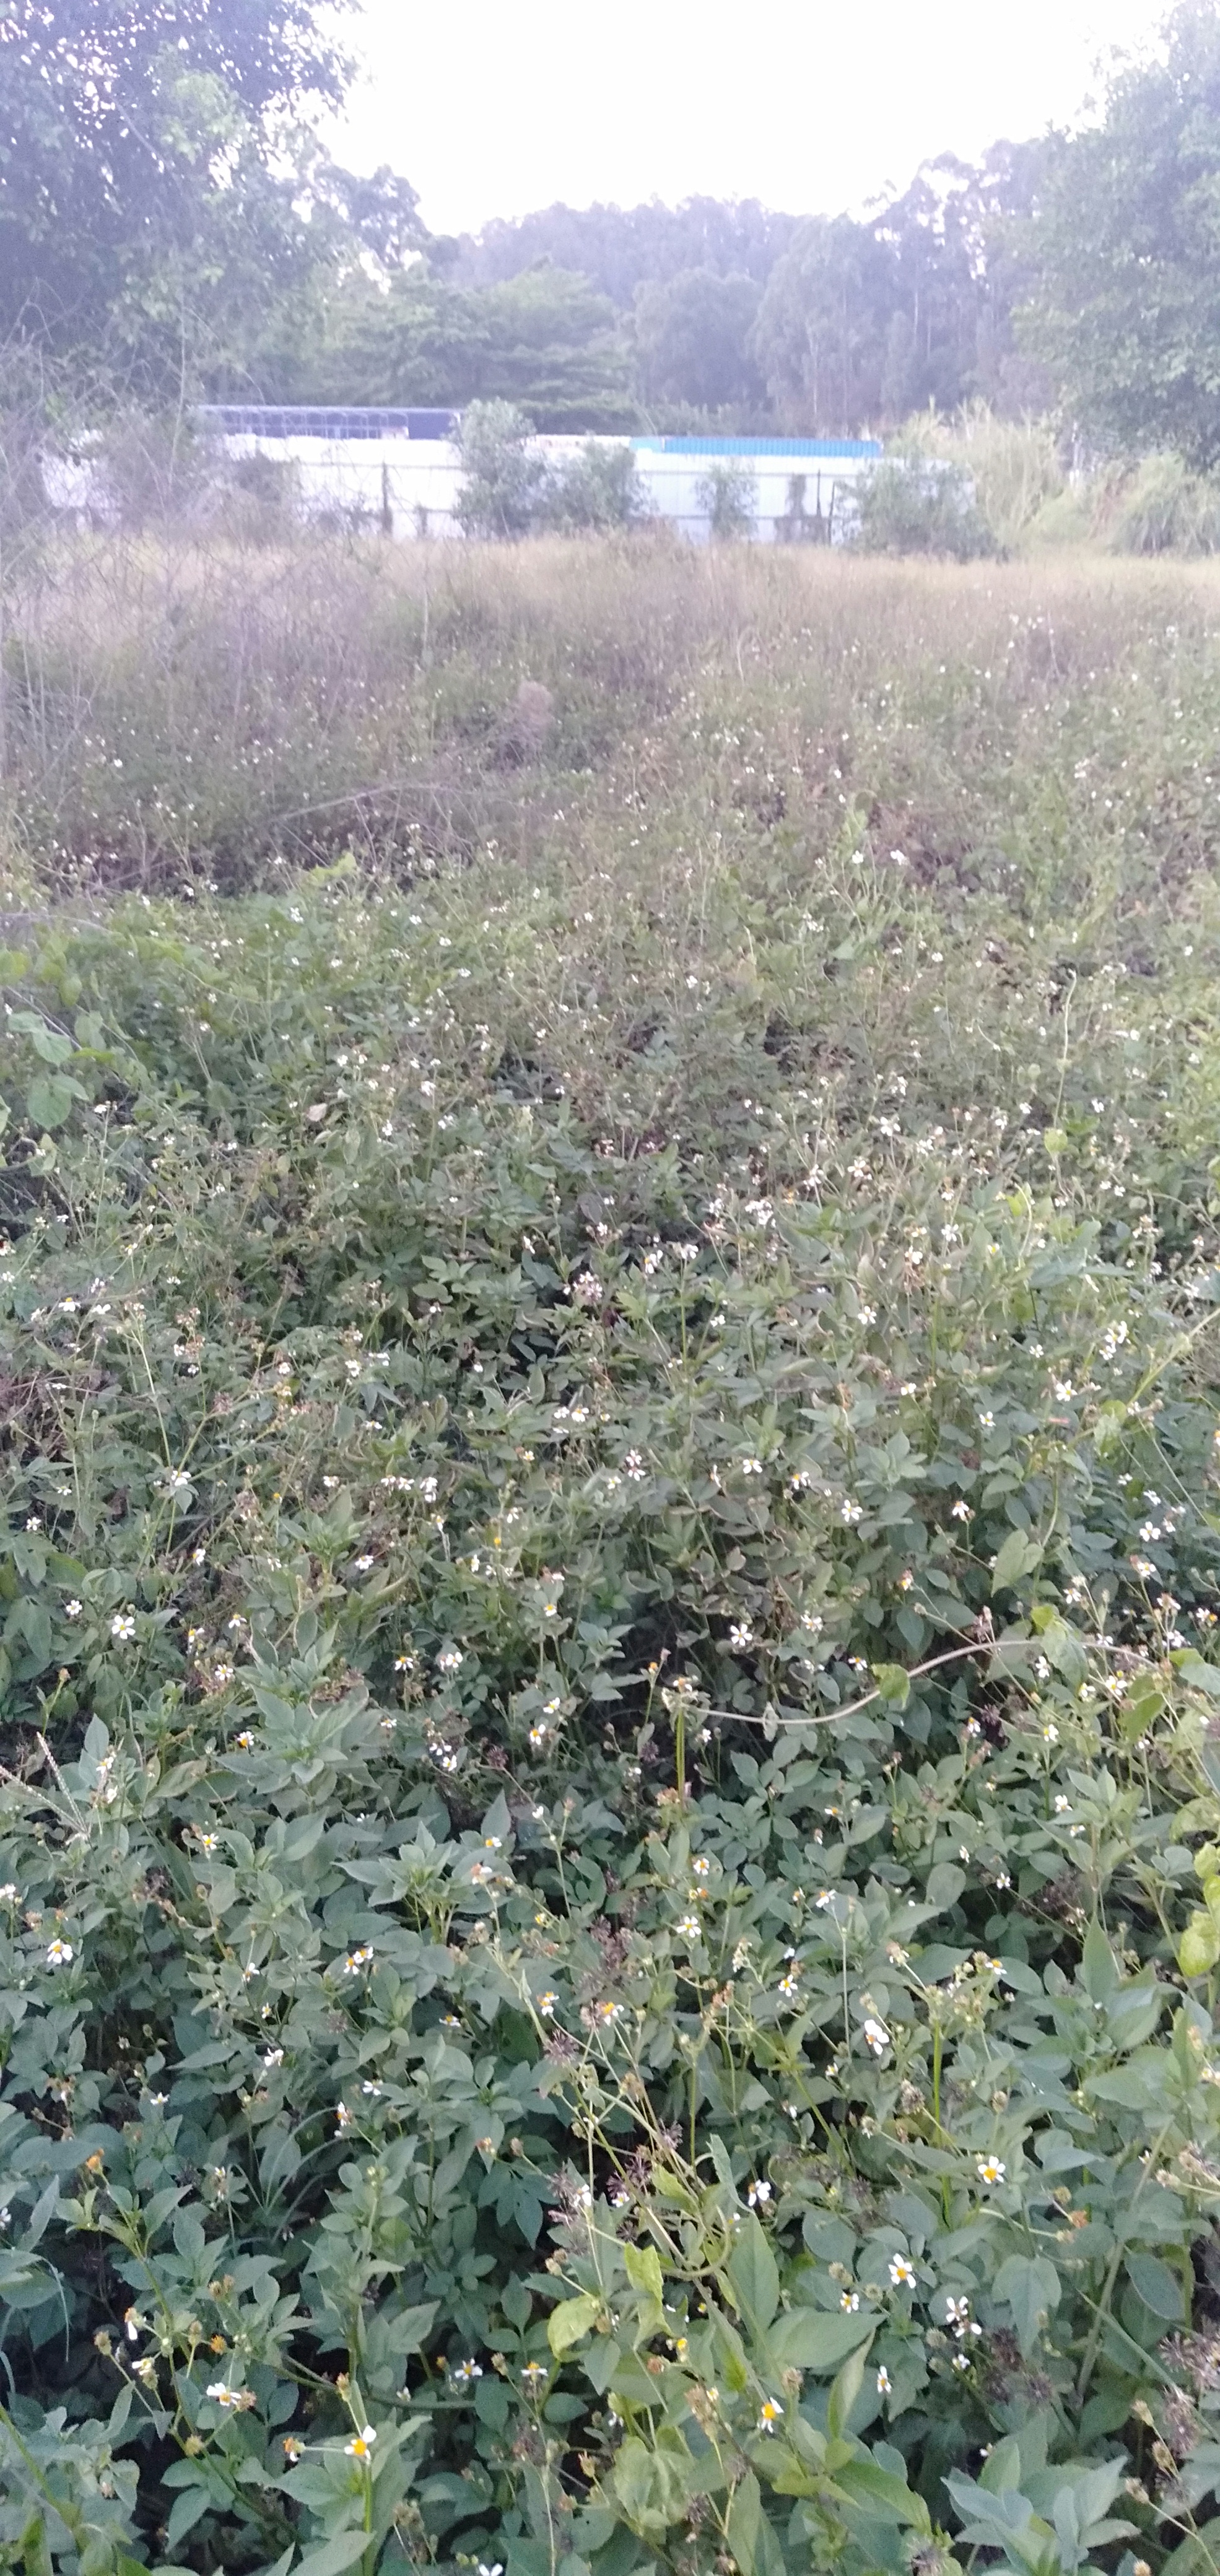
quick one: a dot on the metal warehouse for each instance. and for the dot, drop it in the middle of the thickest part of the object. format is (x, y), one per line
(402, 469)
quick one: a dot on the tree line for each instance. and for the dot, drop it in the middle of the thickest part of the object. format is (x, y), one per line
(170, 226)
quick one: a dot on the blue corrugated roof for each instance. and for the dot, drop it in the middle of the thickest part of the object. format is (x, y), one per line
(761, 446)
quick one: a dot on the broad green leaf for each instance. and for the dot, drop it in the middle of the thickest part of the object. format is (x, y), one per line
(1018, 1556)
(1031, 2286)
(818, 2338)
(883, 2492)
(644, 2271)
(743, 2521)
(894, 1683)
(49, 1099)
(334, 2556)
(753, 2276)
(1099, 1968)
(1158, 2287)
(571, 2321)
(1199, 1947)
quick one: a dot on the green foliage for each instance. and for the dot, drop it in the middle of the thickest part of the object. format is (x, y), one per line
(863, 322)
(727, 493)
(622, 248)
(142, 204)
(544, 342)
(920, 505)
(598, 490)
(1124, 308)
(1014, 465)
(609, 1809)
(504, 477)
(692, 339)
(1162, 508)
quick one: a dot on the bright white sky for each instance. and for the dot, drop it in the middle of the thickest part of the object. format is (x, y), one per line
(493, 107)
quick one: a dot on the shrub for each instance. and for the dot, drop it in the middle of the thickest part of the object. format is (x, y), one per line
(726, 493)
(1014, 465)
(1162, 509)
(917, 505)
(504, 476)
(595, 492)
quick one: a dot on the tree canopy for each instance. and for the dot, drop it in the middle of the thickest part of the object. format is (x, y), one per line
(693, 338)
(141, 192)
(1125, 253)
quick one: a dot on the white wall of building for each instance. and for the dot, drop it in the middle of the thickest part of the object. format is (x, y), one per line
(409, 486)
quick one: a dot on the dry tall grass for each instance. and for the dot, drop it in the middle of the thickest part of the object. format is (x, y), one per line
(174, 708)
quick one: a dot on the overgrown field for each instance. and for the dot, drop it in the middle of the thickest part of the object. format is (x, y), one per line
(610, 1871)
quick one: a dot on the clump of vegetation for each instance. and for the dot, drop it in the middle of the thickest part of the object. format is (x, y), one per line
(728, 495)
(1014, 466)
(595, 492)
(1160, 508)
(609, 1813)
(504, 475)
(511, 489)
(916, 504)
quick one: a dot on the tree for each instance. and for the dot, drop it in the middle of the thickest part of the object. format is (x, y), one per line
(597, 491)
(823, 321)
(1125, 251)
(544, 342)
(504, 478)
(692, 339)
(552, 347)
(140, 177)
(621, 248)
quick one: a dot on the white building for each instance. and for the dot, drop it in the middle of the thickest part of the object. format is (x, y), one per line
(402, 470)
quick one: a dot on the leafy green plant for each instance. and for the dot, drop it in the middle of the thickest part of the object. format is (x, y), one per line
(608, 1594)
(598, 490)
(504, 476)
(921, 505)
(726, 493)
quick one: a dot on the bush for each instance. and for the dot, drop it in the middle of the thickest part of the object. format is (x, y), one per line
(504, 477)
(1014, 465)
(595, 492)
(727, 494)
(917, 505)
(1162, 509)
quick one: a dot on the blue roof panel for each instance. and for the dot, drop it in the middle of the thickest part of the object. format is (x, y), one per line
(826, 447)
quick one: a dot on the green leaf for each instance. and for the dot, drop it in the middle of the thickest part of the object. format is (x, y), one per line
(335, 2555)
(894, 1683)
(188, 2509)
(883, 2492)
(644, 2271)
(49, 1099)
(817, 2338)
(743, 2523)
(571, 2321)
(1018, 1556)
(753, 2276)
(1199, 1947)
(1031, 2286)
(1158, 2287)
(1200, 1675)
(1099, 1969)
(1140, 1709)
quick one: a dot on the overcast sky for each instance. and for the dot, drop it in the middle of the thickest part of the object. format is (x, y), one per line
(492, 107)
